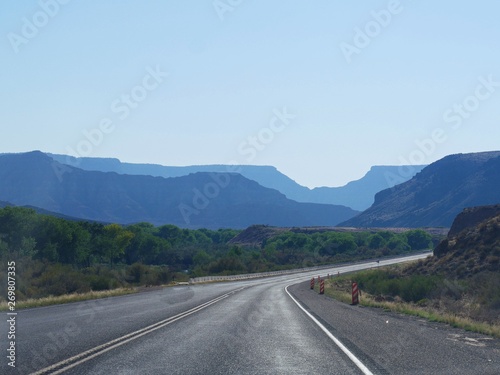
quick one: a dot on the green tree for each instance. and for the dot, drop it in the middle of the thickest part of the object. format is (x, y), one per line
(419, 239)
(399, 244)
(202, 258)
(145, 247)
(376, 241)
(336, 243)
(17, 225)
(115, 240)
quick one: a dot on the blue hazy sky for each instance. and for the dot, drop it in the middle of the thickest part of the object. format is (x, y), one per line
(356, 84)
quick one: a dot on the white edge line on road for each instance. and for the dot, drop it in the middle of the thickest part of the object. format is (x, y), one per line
(351, 356)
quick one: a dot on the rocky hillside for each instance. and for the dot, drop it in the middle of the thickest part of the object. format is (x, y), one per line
(473, 216)
(473, 250)
(436, 195)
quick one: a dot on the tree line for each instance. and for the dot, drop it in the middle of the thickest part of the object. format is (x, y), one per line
(23, 232)
(59, 256)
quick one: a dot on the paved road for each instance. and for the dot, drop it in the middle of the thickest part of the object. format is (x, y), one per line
(390, 343)
(249, 327)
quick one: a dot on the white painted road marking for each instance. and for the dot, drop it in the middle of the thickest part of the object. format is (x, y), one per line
(351, 356)
(78, 359)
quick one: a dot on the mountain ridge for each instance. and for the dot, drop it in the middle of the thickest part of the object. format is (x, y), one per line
(358, 194)
(437, 194)
(192, 201)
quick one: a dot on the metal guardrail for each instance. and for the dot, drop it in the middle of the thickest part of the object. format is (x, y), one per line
(247, 276)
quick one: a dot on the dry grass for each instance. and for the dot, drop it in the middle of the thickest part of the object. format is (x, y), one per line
(340, 291)
(67, 298)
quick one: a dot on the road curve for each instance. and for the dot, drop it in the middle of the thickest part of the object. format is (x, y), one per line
(247, 327)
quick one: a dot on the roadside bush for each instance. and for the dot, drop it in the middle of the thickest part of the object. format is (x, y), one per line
(409, 288)
(417, 287)
(136, 273)
(39, 279)
(99, 282)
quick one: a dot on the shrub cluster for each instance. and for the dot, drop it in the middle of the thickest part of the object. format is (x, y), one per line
(38, 279)
(411, 288)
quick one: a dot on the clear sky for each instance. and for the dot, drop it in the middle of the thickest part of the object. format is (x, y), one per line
(321, 89)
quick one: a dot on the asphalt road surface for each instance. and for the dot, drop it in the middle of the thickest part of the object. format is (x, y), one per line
(246, 327)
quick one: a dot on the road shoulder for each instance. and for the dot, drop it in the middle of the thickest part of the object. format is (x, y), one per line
(392, 343)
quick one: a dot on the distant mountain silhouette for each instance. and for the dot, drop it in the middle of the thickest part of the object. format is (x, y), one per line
(358, 194)
(436, 195)
(210, 200)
